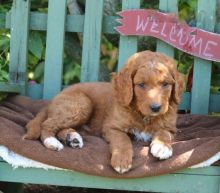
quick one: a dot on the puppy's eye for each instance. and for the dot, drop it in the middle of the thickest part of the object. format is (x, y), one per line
(141, 85)
(165, 84)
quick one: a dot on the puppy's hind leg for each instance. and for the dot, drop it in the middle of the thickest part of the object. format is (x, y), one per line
(64, 113)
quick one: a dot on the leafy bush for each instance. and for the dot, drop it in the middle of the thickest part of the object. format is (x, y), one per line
(4, 55)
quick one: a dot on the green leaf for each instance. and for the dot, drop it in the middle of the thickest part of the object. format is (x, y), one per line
(36, 44)
(4, 42)
(39, 72)
(184, 68)
(72, 74)
(3, 95)
(3, 75)
(32, 60)
(216, 80)
(215, 90)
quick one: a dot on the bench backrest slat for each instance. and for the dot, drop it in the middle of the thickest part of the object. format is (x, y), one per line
(54, 53)
(127, 45)
(202, 68)
(92, 40)
(19, 42)
(167, 6)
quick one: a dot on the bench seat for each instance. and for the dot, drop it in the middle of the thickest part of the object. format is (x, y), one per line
(184, 181)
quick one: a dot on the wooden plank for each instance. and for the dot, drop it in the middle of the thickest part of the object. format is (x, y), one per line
(211, 170)
(182, 183)
(219, 188)
(92, 41)
(35, 91)
(74, 23)
(10, 87)
(127, 45)
(201, 77)
(54, 50)
(167, 6)
(202, 68)
(38, 21)
(185, 101)
(214, 102)
(19, 42)
(109, 24)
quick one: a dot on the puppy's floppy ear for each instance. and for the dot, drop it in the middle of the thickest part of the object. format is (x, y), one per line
(123, 85)
(178, 87)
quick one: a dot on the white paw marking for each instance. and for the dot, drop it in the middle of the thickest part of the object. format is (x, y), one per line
(75, 140)
(121, 170)
(53, 143)
(161, 151)
(142, 136)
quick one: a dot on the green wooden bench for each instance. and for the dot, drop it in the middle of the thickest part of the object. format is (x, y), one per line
(20, 20)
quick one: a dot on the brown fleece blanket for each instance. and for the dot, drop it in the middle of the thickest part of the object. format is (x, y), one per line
(198, 139)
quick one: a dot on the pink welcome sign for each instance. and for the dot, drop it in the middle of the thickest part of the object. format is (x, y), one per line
(167, 27)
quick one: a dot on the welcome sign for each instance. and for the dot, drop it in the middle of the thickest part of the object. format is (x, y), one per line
(167, 27)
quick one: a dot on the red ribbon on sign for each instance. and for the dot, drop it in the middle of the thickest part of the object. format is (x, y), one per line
(167, 27)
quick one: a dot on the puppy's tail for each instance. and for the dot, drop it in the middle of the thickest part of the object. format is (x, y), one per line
(34, 126)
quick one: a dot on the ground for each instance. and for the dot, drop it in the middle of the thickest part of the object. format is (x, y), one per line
(58, 189)
(30, 188)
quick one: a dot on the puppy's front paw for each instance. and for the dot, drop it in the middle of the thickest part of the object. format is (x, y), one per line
(53, 143)
(74, 140)
(121, 162)
(160, 150)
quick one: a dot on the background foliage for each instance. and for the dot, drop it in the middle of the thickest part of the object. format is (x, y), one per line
(109, 50)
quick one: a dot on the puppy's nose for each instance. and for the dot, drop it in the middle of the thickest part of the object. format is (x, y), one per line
(155, 107)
